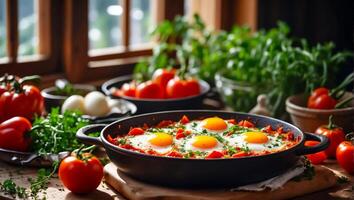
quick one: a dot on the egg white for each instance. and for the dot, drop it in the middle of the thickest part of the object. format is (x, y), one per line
(238, 140)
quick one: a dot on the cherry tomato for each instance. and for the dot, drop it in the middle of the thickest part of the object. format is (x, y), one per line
(246, 123)
(179, 88)
(149, 90)
(215, 154)
(81, 175)
(25, 103)
(316, 158)
(127, 89)
(162, 76)
(335, 136)
(345, 156)
(320, 99)
(13, 134)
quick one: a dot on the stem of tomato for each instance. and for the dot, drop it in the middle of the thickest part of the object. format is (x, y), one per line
(17, 84)
(81, 150)
(331, 125)
(33, 79)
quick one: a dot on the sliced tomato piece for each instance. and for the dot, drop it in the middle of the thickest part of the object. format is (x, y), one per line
(184, 120)
(215, 154)
(174, 154)
(246, 123)
(316, 158)
(136, 131)
(231, 121)
(239, 154)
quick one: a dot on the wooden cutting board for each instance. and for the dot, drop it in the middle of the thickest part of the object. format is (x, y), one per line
(136, 190)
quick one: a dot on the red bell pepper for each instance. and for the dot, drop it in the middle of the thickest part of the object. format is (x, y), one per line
(13, 134)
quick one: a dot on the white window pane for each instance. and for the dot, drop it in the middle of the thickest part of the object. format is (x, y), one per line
(27, 27)
(141, 23)
(2, 28)
(104, 23)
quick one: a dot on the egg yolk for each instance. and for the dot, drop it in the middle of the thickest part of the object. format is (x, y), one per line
(256, 137)
(161, 139)
(214, 123)
(204, 142)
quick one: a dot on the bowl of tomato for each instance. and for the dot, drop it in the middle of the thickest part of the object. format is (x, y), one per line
(159, 95)
(308, 118)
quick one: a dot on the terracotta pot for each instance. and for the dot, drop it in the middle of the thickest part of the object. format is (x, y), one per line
(309, 119)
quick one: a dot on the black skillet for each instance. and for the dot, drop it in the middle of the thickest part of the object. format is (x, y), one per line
(153, 105)
(182, 172)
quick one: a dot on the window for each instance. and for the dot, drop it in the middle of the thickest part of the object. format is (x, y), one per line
(2, 29)
(82, 39)
(25, 43)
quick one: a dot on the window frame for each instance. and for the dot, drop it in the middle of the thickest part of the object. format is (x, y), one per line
(120, 60)
(47, 60)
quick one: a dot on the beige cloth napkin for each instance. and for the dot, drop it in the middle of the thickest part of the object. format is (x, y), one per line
(275, 182)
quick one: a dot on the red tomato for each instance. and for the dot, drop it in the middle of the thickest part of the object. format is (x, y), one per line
(178, 88)
(316, 158)
(127, 89)
(246, 123)
(335, 136)
(215, 154)
(13, 134)
(136, 131)
(81, 175)
(26, 103)
(162, 76)
(320, 99)
(149, 90)
(345, 156)
(193, 87)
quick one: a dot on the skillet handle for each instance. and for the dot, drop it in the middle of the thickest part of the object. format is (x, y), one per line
(81, 134)
(324, 143)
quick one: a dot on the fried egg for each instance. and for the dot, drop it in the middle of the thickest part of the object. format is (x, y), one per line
(255, 141)
(204, 143)
(160, 142)
(211, 125)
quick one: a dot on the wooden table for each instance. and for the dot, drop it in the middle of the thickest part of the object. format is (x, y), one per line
(104, 192)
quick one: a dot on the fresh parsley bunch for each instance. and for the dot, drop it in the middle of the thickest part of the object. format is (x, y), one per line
(56, 132)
